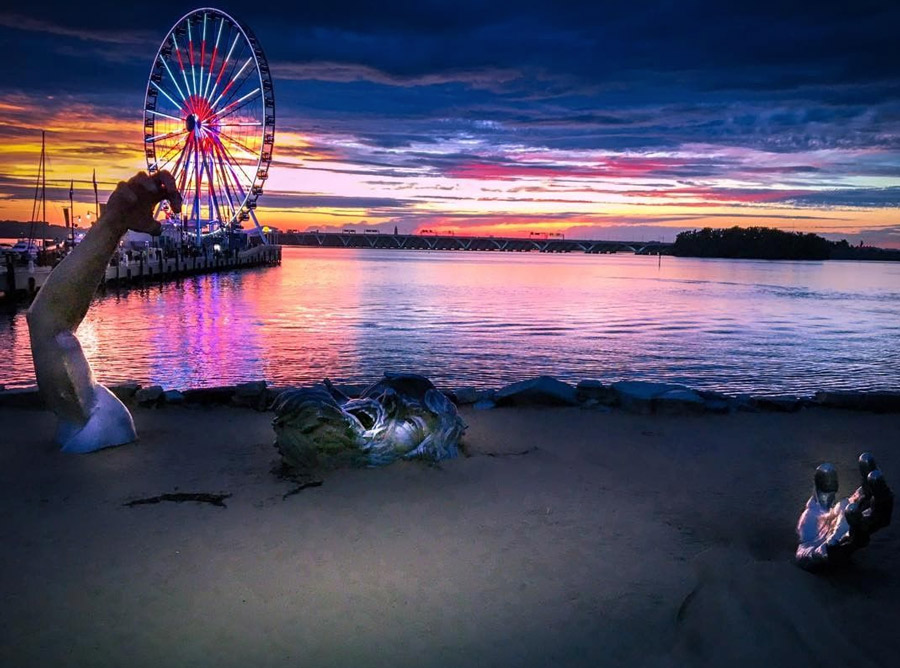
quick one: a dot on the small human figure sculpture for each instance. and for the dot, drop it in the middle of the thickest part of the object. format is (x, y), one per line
(90, 416)
(402, 416)
(830, 530)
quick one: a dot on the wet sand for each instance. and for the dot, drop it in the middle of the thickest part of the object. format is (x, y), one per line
(567, 537)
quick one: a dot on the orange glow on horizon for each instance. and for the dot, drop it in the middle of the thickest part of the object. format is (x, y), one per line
(579, 195)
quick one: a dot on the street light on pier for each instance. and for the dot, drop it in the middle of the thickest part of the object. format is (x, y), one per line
(90, 218)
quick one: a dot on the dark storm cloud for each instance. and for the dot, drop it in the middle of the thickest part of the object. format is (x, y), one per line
(297, 201)
(351, 72)
(713, 46)
(21, 22)
(857, 197)
(610, 76)
(770, 75)
(56, 189)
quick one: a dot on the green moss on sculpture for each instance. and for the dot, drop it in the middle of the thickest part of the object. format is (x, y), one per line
(402, 416)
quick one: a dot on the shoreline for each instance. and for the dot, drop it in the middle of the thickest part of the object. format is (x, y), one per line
(642, 397)
(566, 536)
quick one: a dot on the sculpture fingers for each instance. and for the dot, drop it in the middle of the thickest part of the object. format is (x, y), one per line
(142, 182)
(825, 482)
(154, 189)
(123, 197)
(881, 506)
(168, 190)
(866, 465)
(830, 531)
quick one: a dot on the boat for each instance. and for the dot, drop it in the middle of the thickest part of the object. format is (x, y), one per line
(24, 249)
(28, 263)
(29, 250)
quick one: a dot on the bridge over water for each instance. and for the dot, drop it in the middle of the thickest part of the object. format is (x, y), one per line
(466, 243)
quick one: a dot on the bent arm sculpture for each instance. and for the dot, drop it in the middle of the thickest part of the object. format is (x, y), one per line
(830, 530)
(90, 416)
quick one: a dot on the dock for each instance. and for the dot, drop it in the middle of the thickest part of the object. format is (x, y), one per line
(19, 280)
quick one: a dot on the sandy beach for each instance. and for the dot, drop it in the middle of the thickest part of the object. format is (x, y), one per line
(566, 537)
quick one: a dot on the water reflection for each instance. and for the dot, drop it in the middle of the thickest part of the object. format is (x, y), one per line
(489, 318)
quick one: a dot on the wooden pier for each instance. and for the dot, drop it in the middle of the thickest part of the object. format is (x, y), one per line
(17, 280)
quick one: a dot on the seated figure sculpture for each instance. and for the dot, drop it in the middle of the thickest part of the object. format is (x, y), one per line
(402, 416)
(830, 530)
(90, 416)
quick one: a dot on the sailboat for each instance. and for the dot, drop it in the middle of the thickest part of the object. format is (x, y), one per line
(27, 250)
(30, 249)
(24, 259)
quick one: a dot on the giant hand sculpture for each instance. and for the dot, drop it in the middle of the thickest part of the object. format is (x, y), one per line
(402, 416)
(830, 530)
(90, 416)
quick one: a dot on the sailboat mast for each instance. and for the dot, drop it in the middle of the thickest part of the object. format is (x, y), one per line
(96, 198)
(35, 209)
(44, 186)
(72, 210)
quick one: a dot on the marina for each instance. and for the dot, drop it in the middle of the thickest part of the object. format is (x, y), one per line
(23, 281)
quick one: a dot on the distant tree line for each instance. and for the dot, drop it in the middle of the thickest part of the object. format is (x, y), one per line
(766, 243)
(12, 229)
(841, 250)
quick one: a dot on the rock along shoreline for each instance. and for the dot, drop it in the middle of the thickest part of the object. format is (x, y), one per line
(640, 397)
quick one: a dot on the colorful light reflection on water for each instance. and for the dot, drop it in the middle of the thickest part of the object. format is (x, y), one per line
(486, 319)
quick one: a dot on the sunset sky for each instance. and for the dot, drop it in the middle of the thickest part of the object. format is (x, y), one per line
(602, 120)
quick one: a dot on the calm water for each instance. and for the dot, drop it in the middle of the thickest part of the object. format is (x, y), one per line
(486, 319)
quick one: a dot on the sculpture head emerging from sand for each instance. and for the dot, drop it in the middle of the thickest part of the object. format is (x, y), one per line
(402, 416)
(830, 530)
(90, 416)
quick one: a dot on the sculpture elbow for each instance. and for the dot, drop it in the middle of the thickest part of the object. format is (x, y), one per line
(36, 324)
(42, 325)
(35, 317)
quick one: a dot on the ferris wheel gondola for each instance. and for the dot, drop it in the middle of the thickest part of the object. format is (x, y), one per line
(209, 118)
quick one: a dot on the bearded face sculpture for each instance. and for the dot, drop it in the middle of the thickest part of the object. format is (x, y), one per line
(402, 416)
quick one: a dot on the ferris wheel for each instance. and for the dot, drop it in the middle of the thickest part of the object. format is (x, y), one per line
(209, 118)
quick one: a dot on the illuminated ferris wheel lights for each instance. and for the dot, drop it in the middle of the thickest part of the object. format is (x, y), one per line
(221, 113)
(158, 113)
(212, 62)
(224, 65)
(203, 50)
(160, 89)
(218, 145)
(231, 83)
(165, 136)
